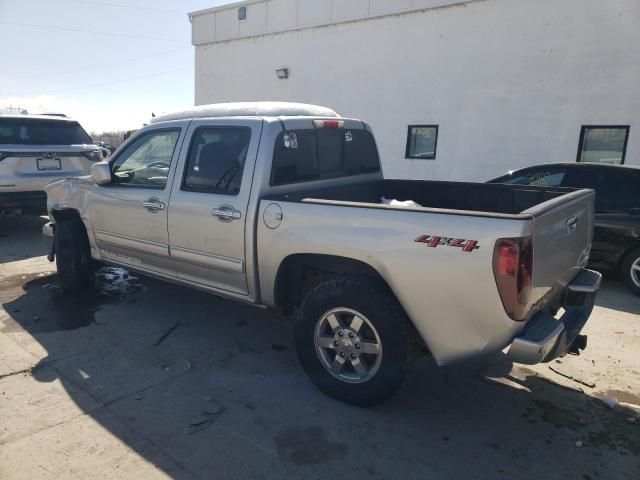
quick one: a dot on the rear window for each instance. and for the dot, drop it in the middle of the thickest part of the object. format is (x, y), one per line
(33, 131)
(544, 177)
(305, 155)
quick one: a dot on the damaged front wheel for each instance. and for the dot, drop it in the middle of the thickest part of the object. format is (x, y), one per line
(73, 256)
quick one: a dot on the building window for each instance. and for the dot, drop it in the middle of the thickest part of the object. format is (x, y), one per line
(242, 13)
(603, 144)
(422, 141)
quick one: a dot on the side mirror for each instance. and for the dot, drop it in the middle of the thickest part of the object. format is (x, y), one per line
(101, 173)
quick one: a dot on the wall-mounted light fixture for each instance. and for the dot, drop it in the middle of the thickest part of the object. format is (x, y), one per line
(282, 73)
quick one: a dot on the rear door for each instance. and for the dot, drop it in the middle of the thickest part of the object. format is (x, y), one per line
(129, 215)
(208, 210)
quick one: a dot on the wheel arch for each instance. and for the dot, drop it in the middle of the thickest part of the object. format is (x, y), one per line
(66, 215)
(300, 272)
(72, 215)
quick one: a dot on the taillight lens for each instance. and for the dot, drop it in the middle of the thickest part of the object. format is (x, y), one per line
(512, 268)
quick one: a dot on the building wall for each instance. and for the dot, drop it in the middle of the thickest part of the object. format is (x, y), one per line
(509, 82)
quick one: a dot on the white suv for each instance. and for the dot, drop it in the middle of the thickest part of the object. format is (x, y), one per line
(36, 150)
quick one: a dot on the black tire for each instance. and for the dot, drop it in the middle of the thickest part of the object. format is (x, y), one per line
(73, 256)
(630, 259)
(376, 302)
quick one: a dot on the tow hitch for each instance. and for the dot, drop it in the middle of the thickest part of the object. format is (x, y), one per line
(580, 343)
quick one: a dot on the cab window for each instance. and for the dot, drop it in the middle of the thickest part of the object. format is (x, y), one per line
(306, 155)
(216, 160)
(146, 161)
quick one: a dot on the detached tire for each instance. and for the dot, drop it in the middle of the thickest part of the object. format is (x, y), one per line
(73, 256)
(354, 341)
(630, 270)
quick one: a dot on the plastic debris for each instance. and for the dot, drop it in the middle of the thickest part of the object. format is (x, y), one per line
(186, 364)
(579, 444)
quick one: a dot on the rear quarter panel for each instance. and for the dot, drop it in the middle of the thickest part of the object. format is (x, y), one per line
(449, 295)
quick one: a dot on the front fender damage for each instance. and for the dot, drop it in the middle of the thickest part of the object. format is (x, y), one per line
(68, 194)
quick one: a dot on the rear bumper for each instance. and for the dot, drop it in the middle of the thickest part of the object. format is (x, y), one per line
(546, 337)
(28, 202)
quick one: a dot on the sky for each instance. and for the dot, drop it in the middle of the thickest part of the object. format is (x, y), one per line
(107, 63)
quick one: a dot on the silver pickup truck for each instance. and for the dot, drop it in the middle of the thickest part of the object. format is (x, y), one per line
(280, 205)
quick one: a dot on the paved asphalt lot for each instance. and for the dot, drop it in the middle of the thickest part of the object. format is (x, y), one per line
(149, 380)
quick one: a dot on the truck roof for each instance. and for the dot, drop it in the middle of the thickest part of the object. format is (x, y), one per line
(53, 118)
(250, 109)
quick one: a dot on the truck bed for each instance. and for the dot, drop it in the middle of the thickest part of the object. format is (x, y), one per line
(469, 197)
(349, 221)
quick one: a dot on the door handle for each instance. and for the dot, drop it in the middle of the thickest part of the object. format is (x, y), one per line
(154, 205)
(226, 213)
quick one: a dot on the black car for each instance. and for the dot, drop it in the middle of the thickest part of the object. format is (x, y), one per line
(616, 238)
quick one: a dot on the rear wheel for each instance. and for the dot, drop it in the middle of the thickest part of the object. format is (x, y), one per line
(630, 270)
(354, 341)
(73, 257)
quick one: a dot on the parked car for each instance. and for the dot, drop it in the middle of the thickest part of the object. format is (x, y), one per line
(280, 205)
(107, 146)
(616, 240)
(36, 150)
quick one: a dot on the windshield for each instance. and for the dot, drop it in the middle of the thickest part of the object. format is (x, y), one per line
(36, 131)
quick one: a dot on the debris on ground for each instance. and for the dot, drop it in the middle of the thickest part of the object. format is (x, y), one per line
(570, 377)
(166, 334)
(203, 420)
(579, 444)
(186, 364)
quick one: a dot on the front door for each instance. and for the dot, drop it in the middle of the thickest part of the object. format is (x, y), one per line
(129, 215)
(207, 219)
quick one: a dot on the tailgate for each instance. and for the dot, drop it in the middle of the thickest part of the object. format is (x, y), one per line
(30, 169)
(562, 234)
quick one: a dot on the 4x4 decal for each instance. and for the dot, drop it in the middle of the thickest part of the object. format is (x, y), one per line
(433, 241)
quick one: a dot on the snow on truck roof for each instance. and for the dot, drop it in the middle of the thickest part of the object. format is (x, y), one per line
(250, 109)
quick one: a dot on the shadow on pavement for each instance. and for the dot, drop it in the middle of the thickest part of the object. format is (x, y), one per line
(616, 296)
(21, 237)
(207, 388)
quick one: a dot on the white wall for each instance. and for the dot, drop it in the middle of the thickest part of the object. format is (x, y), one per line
(510, 82)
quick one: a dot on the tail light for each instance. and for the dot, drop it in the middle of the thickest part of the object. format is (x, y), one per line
(512, 268)
(328, 123)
